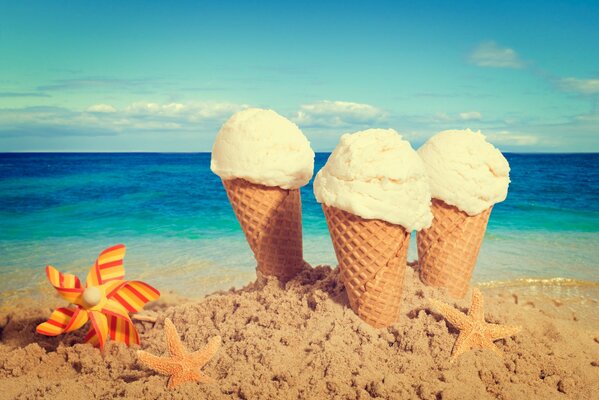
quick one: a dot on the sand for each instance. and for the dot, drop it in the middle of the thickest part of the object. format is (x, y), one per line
(303, 341)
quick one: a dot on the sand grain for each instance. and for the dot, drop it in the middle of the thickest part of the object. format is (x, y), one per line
(303, 341)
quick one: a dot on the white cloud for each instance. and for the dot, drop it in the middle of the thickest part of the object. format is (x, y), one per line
(213, 110)
(101, 108)
(443, 117)
(512, 139)
(189, 111)
(104, 119)
(141, 108)
(470, 115)
(590, 118)
(582, 86)
(490, 54)
(192, 126)
(328, 113)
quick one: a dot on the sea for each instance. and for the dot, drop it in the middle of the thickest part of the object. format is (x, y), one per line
(181, 234)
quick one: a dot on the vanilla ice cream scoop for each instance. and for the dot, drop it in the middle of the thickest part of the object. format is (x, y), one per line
(375, 174)
(465, 170)
(262, 147)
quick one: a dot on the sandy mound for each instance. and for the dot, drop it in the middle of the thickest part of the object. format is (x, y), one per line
(303, 341)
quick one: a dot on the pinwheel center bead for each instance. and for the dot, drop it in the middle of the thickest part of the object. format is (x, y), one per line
(92, 296)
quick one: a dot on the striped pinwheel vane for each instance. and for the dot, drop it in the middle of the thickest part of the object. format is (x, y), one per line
(106, 301)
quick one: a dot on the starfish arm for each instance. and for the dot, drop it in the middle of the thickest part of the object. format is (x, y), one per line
(477, 305)
(183, 377)
(495, 332)
(491, 346)
(460, 346)
(173, 381)
(201, 357)
(173, 341)
(162, 365)
(453, 316)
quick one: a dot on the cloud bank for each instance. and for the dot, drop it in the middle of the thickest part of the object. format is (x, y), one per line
(333, 114)
(191, 126)
(491, 55)
(582, 86)
(105, 119)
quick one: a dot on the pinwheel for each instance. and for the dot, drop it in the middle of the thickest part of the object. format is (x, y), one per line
(105, 301)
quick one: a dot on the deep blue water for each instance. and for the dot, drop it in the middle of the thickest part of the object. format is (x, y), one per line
(174, 217)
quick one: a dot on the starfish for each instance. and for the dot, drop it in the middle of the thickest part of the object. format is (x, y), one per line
(475, 332)
(181, 366)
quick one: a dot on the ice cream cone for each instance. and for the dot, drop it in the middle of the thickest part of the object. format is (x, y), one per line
(271, 219)
(447, 251)
(372, 259)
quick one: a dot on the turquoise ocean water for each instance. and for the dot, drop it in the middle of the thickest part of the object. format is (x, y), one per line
(173, 215)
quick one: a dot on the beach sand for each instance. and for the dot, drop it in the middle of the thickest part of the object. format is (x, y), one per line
(303, 341)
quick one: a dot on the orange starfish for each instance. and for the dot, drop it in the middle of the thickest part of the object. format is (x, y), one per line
(475, 332)
(181, 366)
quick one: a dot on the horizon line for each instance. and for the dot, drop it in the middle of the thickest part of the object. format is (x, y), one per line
(209, 152)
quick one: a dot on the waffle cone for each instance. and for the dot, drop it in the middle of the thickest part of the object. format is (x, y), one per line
(372, 260)
(271, 219)
(447, 251)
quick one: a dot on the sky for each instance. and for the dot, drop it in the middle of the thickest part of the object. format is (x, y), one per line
(164, 76)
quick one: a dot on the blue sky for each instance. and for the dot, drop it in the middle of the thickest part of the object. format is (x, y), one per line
(163, 76)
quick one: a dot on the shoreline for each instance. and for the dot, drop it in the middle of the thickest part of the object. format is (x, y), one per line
(43, 295)
(191, 267)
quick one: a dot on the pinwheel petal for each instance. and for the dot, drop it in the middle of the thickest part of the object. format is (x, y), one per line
(108, 266)
(60, 320)
(91, 337)
(122, 330)
(114, 308)
(120, 326)
(99, 331)
(67, 285)
(78, 319)
(134, 295)
(112, 287)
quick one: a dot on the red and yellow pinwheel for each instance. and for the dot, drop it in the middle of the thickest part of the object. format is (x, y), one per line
(106, 301)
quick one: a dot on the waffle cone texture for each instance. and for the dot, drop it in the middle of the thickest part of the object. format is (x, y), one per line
(447, 251)
(372, 260)
(271, 219)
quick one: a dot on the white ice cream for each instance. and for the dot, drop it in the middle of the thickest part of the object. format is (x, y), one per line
(375, 174)
(465, 170)
(262, 147)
